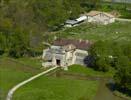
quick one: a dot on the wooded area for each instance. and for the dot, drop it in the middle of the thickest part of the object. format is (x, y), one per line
(108, 54)
(23, 22)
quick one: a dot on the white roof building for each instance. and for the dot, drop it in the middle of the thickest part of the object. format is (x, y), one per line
(82, 18)
(75, 22)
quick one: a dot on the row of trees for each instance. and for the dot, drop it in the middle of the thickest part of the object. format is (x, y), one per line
(108, 54)
(23, 23)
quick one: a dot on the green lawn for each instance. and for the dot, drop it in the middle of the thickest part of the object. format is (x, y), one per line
(118, 31)
(11, 73)
(47, 88)
(32, 62)
(89, 71)
(51, 88)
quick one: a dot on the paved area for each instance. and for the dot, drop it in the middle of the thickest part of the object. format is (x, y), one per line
(11, 91)
(124, 20)
(104, 93)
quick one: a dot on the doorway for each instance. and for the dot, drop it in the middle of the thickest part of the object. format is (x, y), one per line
(58, 62)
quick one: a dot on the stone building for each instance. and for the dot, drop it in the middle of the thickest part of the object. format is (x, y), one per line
(65, 52)
(100, 17)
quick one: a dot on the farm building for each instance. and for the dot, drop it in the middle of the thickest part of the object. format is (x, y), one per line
(100, 17)
(65, 52)
(71, 23)
(81, 19)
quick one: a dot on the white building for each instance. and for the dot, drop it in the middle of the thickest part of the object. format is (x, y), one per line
(65, 52)
(100, 17)
(71, 23)
(75, 22)
(81, 19)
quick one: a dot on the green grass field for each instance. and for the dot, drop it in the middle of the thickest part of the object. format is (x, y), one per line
(89, 71)
(118, 31)
(47, 88)
(32, 62)
(51, 88)
(11, 73)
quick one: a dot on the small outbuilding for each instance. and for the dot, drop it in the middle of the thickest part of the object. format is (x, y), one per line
(100, 17)
(75, 22)
(81, 19)
(71, 23)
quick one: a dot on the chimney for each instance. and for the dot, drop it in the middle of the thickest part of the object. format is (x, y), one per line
(80, 40)
(87, 41)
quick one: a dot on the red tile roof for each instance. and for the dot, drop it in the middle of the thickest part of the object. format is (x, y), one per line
(80, 44)
(94, 13)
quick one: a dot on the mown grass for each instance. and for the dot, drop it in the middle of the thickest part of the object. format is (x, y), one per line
(47, 88)
(90, 71)
(52, 88)
(118, 31)
(32, 62)
(11, 73)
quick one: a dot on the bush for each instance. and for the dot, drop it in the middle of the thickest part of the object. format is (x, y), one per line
(1, 52)
(102, 65)
(123, 74)
(125, 14)
(121, 95)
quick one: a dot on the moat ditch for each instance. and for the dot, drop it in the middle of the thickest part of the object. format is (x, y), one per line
(105, 89)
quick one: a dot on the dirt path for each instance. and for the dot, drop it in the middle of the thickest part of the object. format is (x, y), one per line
(104, 93)
(123, 20)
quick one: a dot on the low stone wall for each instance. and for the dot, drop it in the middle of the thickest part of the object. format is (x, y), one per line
(121, 95)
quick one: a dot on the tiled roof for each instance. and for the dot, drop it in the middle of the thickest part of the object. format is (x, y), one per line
(80, 44)
(82, 18)
(94, 13)
(72, 22)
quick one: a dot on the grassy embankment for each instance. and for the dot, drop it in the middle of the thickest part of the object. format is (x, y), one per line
(12, 72)
(78, 69)
(52, 88)
(118, 31)
(47, 88)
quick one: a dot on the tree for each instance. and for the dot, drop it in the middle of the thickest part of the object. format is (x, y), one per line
(102, 65)
(100, 53)
(95, 2)
(123, 74)
(19, 44)
(127, 50)
(2, 43)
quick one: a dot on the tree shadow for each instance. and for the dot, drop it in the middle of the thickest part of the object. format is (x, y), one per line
(111, 85)
(88, 61)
